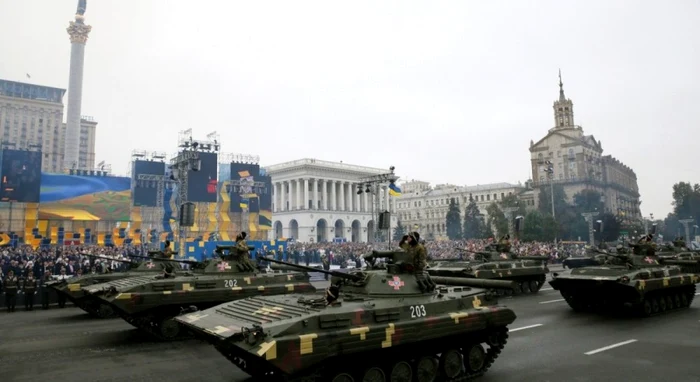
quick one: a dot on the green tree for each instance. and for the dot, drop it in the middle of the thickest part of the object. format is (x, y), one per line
(453, 221)
(496, 220)
(545, 200)
(539, 227)
(399, 231)
(473, 224)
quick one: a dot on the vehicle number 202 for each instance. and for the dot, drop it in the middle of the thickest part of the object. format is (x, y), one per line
(418, 311)
(230, 283)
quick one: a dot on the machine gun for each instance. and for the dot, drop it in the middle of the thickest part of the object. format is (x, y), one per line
(133, 263)
(493, 256)
(290, 266)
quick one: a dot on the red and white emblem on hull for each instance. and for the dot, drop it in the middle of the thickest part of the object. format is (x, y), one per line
(223, 266)
(396, 283)
(649, 260)
(150, 265)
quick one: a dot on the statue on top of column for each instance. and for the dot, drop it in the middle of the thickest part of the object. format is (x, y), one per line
(82, 5)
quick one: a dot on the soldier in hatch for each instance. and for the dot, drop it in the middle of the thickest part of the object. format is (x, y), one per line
(504, 244)
(420, 261)
(242, 251)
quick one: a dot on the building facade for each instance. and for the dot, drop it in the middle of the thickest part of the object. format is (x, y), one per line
(424, 208)
(31, 118)
(321, 201)
(576, 162)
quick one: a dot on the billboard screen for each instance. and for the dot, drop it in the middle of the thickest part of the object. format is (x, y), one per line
(252, 192)
(201, 185)
(145, 191)
(74, 197)
(21, 176)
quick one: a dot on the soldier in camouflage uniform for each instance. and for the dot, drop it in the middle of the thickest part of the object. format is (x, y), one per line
(504, 244)
(243, 253)
(11, 285)
(29, 290)
(420, 261)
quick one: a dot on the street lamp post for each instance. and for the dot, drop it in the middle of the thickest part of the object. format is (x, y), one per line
(508, 212)
(686, 225)
(588, 216)
(372, 185)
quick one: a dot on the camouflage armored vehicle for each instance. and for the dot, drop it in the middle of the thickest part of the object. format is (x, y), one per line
(150, 302)
(71, 288)
(372, 325)
(497, 263)
(639, 281)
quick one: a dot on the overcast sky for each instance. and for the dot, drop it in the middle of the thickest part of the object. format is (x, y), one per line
(446, 91)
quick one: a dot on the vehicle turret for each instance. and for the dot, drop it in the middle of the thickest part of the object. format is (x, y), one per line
(398, 273)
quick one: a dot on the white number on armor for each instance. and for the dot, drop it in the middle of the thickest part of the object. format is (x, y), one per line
(418, 311)
(230, 283)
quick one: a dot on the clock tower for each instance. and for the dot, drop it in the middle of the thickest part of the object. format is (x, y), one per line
(563, 109)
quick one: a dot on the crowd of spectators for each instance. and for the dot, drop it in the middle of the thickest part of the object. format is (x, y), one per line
(69, 261)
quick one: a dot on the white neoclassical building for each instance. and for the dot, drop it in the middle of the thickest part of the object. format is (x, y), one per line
(317, 201)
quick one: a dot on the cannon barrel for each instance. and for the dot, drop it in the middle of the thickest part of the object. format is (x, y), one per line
(280, 267)
(476, 283)
(450, 260)
(158, 253)
(342, 275)
(111, 259)
(382, 254)
(221, 248)
(536, 258)
(679, 262)
(161, 259)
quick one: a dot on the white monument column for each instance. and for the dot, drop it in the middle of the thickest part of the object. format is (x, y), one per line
(298, 193)
(78, 32)
(314, 195)
(276, 196)
(306, 194)
(358, 206)
(325, 194)
(334, 201)
(365, 206)
(342, 196)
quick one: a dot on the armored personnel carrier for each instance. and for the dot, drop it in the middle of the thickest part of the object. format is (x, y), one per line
(377, 324)
(71, 288)
(641, 282)
(150, 302)
(497, 263)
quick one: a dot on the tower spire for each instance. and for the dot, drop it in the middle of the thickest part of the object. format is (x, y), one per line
(561, 88)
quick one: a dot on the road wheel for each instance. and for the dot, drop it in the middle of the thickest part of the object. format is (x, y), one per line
(169, 329)
(401, 372)
(343, 377)
(475, 358)
(451, 363)
(374, 374)
(427, 369)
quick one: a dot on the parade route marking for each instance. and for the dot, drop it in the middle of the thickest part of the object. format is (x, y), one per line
(551, 301)
(547, 289)
(524, 327)
(610, 347)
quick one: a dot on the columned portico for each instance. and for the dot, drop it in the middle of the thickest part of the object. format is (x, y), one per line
(313, 198)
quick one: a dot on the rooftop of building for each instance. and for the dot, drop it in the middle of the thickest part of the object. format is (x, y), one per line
(311, 162)
(30, 91)
(446, 189)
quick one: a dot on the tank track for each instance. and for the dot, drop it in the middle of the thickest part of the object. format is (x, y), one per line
(496, 340)
(525, 284)
(152, 325)
(653, 303)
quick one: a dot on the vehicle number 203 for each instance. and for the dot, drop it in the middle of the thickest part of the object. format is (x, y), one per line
(418, 311)
(230, 283)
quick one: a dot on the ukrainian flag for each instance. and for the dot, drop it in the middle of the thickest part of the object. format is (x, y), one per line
(243, 204)
(394, 190)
